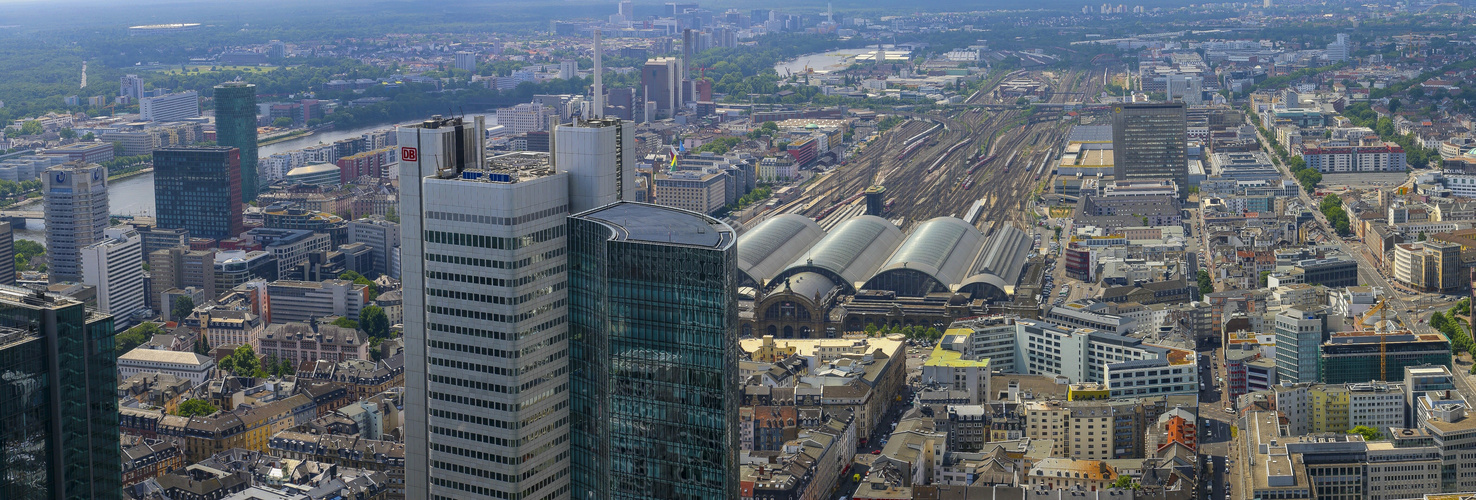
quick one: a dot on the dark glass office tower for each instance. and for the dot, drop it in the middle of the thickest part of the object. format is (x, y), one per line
(58, 400)
(1150, 142)
(199, 190)
(653, 354)
(235, 126)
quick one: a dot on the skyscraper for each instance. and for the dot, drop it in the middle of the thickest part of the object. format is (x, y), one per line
(485, 325)
(76, 214)
(661, 84)
(653, 354)
(114, 266)
(235, 126)
(199, 190)
(7, 254)
(599, 156)
(58, 400)
(1299, 338)
(1150, 142)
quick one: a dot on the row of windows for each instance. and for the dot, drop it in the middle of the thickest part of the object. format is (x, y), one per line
(494, 242)
(495, 264)
(493, 405)
(506, 478)
(562, 210)
(494, 299)
(493, 440)
(501, 318)
(501, 424)
(470, 488)
(487, 281)
(493, 334)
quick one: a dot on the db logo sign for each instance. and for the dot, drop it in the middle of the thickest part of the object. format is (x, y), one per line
(409, 154)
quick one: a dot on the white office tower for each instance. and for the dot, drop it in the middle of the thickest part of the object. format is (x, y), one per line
(114, 266)
(1338, 50)
(76, 215)
(486, 373)
(467, 61)
(170, 107)
(599, 156)
(568, 69)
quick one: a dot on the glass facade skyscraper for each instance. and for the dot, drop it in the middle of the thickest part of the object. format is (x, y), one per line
(235, 126)
(653, 354)
(58, 400)
(1150, 142)
(199, 190)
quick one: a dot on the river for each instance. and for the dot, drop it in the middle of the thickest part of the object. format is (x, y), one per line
(135, 195)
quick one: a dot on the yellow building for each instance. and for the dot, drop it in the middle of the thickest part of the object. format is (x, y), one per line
(1329, 408)
(1087, 391)
(1046, 420)
(768, 352)
(249, 428)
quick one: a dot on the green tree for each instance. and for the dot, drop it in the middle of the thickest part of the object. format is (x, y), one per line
(137, 336)
(196, 408)
(282, 122)
(1206, 285)
(346, 323)
(88, 137)
(244, 361)
(202, 345)
(32, 127)
(67, 133)
(933, 333)
(182, 308)
(374, 322)
(1123, 482)
(392, 216)
(871, 329)
(1264, 275)
(1368, 433)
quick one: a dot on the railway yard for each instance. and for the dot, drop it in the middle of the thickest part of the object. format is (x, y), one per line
(982, 160)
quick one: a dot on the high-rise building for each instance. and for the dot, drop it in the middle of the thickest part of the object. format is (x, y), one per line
(466, 61)
(485, 322)
(599, 156)
(7, 254)
(114, 266)
(653, 354)
(131, 86)
(568, 69)
(59, 418)
(1299, 338)
(235, 126)
(382, 237)
(526, 117)
(199, 190)
(661, 84)
(76, 215)
(1150, 141)
(170, 107)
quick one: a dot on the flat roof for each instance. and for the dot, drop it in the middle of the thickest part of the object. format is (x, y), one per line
(643, 222)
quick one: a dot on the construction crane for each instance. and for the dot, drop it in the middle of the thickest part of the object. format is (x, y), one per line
(1383, 347)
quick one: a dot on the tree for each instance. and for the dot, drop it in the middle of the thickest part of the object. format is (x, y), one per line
(196, 408)
(202, 346)
(243, 361)
(67, 133)
(374, 322)
(1264, 274)
(282, 122)
(871, 329)
(32, 127)
(392, 216)
(88, 137)
(1123, 482)
(346, 323)
(1368, 433)
(1206, 285)
(137, 336)
(933, 333)
(183, 306)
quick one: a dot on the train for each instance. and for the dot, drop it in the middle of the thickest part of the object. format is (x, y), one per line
(907, 151)
(968, 184)
(945, 154)
(847, 201)
(980, 163)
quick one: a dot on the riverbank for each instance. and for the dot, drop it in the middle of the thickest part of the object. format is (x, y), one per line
(126, 175)
(285, 137)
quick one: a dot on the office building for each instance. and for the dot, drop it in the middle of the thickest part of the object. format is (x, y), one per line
(701, 191)
(661, 84)
(290, 246)
(186, 365)
(234, 267)
(1379, 355)
(483, 249)
(599, 156)
(654, 410)
(7, 254)
(382, 237)
(304, 301)
(1150, 142)
(235, 126)
(76, 215)
(466, 61)
(114, 266)
(1299, 337)
(1388, 157)
(524, 118)
(131, 86)
(170, 107)
(59, 419)
(158, 238)
(199, 190)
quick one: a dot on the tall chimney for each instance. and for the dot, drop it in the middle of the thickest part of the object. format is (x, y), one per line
(599, 83)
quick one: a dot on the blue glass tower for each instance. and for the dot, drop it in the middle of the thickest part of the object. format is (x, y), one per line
(653, 354)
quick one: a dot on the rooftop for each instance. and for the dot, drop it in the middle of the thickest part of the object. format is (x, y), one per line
(646, 223)
(161, 356)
